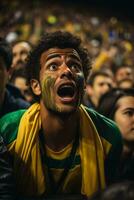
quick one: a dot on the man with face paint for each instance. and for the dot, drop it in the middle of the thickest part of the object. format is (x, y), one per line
(58, 145)
(61, 80)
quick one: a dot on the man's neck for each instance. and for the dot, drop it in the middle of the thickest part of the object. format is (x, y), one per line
(59, 131)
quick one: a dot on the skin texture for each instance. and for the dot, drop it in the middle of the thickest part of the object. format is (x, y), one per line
(61, 66)
(124, 117)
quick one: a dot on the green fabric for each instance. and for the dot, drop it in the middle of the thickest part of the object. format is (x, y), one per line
(108, 130)
(9, 126)
(103, 123)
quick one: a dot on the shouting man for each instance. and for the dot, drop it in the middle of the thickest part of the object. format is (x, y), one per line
(58, 145)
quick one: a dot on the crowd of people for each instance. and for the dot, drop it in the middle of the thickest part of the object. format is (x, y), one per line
(67, 103)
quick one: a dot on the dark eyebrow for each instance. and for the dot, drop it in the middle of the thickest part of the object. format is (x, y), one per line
(52, 56)
(129, 108)
(59, 55)
(75, 57)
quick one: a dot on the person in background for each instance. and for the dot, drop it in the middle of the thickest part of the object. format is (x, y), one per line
(122, 72)
(20, 51)
(126, 83)
(106, 57)
(123, 190)
(118, 105)
(7, 183)
(10, 99)
(19, 80)
(60, 147)
(97, 84)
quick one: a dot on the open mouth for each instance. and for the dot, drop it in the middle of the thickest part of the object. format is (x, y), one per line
(66, 91)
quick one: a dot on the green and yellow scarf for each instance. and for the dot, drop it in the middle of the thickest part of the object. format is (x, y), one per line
(27, 162)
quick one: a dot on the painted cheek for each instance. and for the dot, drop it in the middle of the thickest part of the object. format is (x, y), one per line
(47, 85)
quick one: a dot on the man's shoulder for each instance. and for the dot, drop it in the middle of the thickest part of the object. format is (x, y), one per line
(9, 125)
(106, 128)
(12, 104)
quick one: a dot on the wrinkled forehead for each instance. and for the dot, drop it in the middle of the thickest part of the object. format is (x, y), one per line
(57, 52)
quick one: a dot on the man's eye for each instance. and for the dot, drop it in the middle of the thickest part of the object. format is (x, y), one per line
(53, 67)
(129, 113)
(101, 84)
(75, 67)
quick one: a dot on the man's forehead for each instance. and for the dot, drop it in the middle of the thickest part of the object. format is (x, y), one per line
(59, 52)
(101, 78)
(21, 45)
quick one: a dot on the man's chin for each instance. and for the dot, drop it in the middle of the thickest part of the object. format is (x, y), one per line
(64, 112)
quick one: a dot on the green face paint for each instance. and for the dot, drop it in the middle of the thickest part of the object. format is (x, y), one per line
(47, 96)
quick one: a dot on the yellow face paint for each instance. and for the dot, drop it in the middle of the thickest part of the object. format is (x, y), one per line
(46, 86)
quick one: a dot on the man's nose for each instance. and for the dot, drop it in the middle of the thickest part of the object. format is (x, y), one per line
(66, 72)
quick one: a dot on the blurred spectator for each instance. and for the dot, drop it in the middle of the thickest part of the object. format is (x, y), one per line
(118, 105)
(125, 83)
(8, 102)
(108, 37)
(106, 56)
(122, 72)
(123, 190)
(20, 51)
(7, 183)
(19, 80)
(97, 84)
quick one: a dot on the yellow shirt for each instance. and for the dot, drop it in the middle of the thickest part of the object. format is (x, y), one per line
(73, 180)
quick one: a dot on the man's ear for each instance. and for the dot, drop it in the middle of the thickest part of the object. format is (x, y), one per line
(35, 85)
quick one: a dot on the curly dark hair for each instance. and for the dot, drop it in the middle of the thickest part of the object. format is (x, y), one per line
(56, 39)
